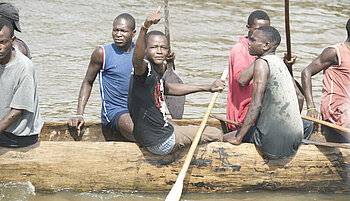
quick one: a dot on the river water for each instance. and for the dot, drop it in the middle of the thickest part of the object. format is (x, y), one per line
(62, 35)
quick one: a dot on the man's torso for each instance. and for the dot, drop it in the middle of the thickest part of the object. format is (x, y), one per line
(147, 108)
(114, 79)
(18, 86)
(279, 123)
(336, 88)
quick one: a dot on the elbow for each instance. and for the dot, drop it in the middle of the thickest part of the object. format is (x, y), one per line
(305, 74)
(256, 106)
(242, 83)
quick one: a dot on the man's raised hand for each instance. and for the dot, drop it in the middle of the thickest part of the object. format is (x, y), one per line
(153, 18)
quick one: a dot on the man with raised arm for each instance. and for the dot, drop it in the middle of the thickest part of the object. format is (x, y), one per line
(146, 95)
(113, 64)
(334, 61)
(273, 121)
(20, 121)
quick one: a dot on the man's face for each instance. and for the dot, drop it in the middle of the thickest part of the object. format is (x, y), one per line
(257, 43)
(256, 24)
(157, 49)
(122, 32)
(5, 43)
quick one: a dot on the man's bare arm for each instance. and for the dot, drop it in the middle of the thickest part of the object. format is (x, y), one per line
(9, 119)
(94, 67)
(246, 75)
(261, 76)
(327, 58)
(178, 89)
(140, 46)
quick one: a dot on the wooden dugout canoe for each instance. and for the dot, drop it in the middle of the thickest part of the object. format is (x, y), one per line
(65, 159)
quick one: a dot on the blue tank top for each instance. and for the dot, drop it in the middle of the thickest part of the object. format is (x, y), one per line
(114, 78)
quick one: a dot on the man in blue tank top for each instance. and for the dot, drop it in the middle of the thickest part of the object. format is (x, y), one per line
(113, 64)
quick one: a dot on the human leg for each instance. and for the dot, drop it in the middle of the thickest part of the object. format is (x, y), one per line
(126, 126)
(122, 122)
(341, 117)
(184, 136)
(308, 128)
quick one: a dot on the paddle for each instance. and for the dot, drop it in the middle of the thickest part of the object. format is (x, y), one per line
(325, 123)
(326, 144)
(176, 191)
(289, 48)
(175, 104)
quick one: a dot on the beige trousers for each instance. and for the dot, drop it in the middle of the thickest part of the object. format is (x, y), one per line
(184, 136)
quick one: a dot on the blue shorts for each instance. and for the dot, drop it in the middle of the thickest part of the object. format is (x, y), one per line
(114, 122)
(11, 140)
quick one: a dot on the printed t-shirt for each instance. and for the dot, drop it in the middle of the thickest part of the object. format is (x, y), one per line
(146, 105)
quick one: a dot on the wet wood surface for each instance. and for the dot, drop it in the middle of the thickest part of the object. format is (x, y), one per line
(217, 167)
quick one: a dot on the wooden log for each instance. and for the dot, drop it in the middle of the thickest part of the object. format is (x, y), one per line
(94, 132)
(217, 167)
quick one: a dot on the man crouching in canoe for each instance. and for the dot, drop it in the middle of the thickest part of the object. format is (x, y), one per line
(146, 95)
(274, 109)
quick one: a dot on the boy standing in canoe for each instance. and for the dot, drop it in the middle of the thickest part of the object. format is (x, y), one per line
(274, 109)
(20, 121)
(334, 61)
(113, 64)
(146, 95)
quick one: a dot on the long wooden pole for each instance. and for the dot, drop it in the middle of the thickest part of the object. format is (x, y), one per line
(287, 27)
(325, 123)
(327, 144)
(167, 32)
(176, 191)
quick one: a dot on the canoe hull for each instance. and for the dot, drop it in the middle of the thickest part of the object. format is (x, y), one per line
(217, 167)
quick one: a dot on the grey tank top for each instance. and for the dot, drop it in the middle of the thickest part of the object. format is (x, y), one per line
(279, 124)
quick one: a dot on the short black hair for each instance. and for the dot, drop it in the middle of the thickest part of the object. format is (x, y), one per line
(348, 27)
(154, 33)
(128, 18)
(271, 34)
(4, 22)
(258, 14)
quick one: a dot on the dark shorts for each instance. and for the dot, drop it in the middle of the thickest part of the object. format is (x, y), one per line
(308, 128)
(114, 122)
(11, 140)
